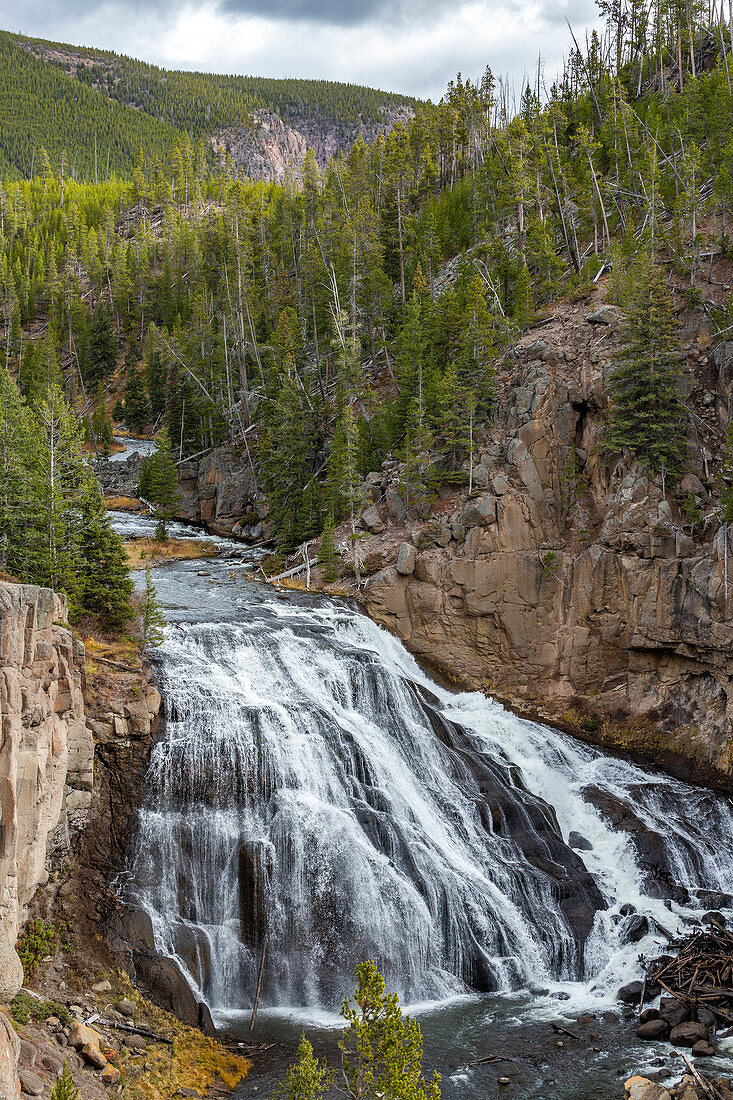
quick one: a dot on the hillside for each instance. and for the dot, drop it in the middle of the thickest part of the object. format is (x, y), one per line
(66, 98)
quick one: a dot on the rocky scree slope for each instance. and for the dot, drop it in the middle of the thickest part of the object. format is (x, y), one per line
(576, 592)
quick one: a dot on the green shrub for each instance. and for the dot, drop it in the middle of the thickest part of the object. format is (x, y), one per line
(691, 511)
(591, 723)
(38, 939)
(25, 1008)
(65, 1089)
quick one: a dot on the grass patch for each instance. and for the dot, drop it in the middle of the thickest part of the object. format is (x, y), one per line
(142, 551)
(195, 1061)
(123, 504)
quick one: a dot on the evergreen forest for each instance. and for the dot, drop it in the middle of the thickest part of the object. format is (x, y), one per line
(310, 324)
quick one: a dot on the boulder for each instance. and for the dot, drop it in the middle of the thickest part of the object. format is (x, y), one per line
(641, 1088)
(692, 484)
(688, 1033)
(500, 484)
(673, 1011)
(105, 986)
(30, 1083)
(703, 1049)
(579, 842)
(395, 505)
(480, 476)
(9, 1053)
(406, 558)
(110, 1075)
(630, 994)
(479, 512)
(634, 928)
(653, 1029)
(93, 1055)
(28, 1053)
(606, 315)
(371, 520)
(81, 1035)
(649, 1014)
(126, 1007)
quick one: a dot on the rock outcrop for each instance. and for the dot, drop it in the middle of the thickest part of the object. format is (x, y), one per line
(46, 753)
(219, 491)
(274, 148)
(9, 1054)
(579, 592)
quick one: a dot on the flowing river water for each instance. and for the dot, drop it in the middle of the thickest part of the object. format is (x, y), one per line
(317, 794)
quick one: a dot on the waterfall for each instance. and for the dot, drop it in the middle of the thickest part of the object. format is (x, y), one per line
(315, 787)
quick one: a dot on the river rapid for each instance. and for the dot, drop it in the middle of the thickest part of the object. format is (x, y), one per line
(317, 795)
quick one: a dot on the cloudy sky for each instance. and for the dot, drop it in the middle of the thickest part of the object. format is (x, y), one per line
(410, 46)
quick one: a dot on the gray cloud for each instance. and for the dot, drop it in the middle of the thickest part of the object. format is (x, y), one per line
(409, 46)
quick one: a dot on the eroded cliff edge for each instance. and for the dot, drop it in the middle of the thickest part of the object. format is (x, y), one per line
(589, 596)
(73, 751)
(46, 753)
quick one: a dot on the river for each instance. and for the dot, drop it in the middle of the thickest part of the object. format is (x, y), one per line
(318, 792)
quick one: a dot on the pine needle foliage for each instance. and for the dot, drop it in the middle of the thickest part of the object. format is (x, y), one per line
(65, 1089)
(152, 622)
(647, 415)
(381, 1051)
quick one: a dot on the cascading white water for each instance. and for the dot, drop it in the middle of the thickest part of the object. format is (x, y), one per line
(315, 787)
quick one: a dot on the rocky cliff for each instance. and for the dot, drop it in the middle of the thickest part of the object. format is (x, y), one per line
(578, 592)
(219, 490)
(46, 753)
(274, 148)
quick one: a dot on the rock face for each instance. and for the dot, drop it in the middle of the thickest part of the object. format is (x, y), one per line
(46, 753)
(274, 148)
(575, 590)
(9, 1054)
(218, 491)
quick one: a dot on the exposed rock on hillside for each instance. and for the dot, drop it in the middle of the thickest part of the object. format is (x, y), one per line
(46, 753)
(218, 490)
(577, 592)
(275, 148)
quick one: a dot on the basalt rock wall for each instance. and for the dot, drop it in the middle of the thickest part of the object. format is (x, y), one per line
(588, 594)
(46, 753)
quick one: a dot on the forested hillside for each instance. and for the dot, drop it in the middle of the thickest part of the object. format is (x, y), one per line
(318, 330)
(98, 109)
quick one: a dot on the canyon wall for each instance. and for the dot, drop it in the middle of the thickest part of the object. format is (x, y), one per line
(584, 594)
(46, 753)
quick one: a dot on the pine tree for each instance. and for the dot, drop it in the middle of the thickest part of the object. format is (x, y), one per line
(65, 1089)
(327, 553)
(106, 582)
(155, 376)
(137, 410)
(522, 313)
(100, 357)
(346, 483)
(646, 413)
(308, 1079)
(382, 1049)
(103, 432)
(152, 622)
(158, 481)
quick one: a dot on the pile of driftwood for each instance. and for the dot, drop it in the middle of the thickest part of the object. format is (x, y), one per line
(701, 974)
